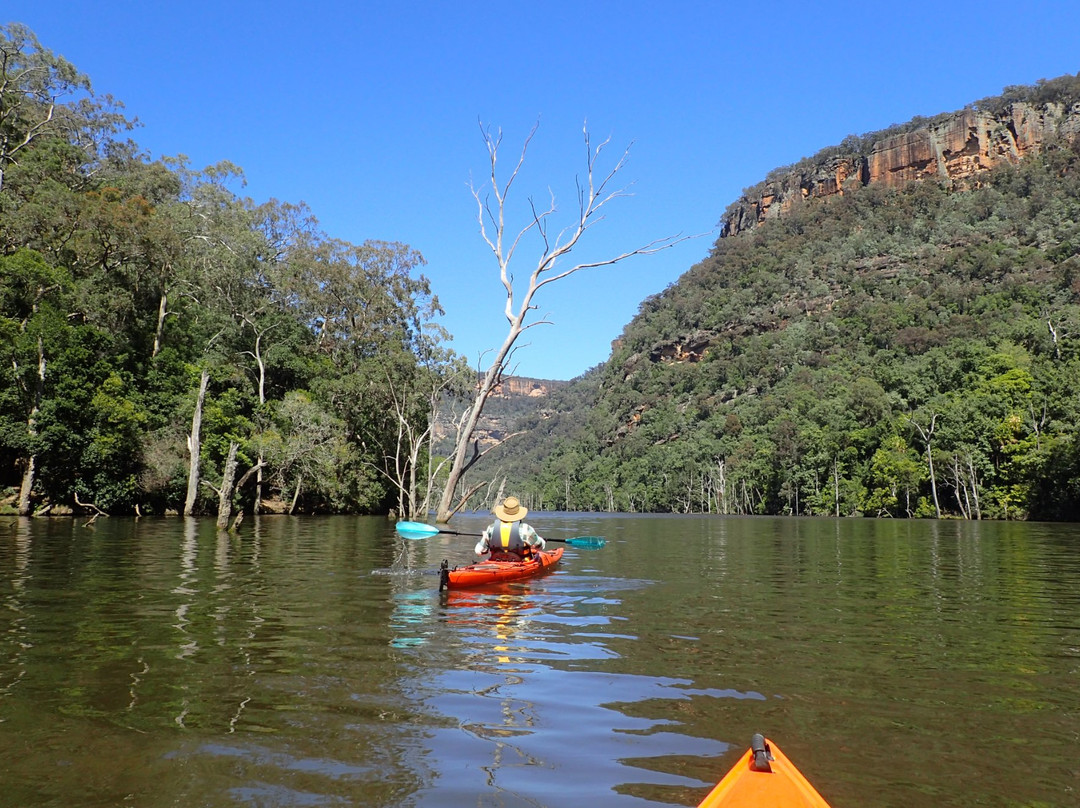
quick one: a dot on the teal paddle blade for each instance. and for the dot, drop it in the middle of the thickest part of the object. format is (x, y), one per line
(594, 542)
(591, 542)
(415, 530)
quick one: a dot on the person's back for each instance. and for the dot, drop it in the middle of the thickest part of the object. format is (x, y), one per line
(510, 538)
(506, 544)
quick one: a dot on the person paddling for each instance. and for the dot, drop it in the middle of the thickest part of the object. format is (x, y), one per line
(509, 539)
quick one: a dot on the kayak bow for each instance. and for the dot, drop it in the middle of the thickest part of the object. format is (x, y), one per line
(763, 778)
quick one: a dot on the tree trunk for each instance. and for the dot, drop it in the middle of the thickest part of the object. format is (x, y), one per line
(959, 487)
(163, 310)
(721, 485)
(30, 471)
(927, 435)
(295, 497)
(228, 483)
(459, 466)
(933, 481)
(25, 507)
(974, 487)
(257, 507)
(195, 446)
(836, 486)
(256, 469)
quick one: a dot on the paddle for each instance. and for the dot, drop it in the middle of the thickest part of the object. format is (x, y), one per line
(403, 572)
(418, 530)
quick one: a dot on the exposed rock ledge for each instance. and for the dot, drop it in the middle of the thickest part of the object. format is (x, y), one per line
(952, 148)
(523, 386)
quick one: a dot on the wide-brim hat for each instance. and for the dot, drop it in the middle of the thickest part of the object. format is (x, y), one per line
(510, 510)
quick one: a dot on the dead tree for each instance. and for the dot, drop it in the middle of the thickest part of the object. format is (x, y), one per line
(194, 444)
(229, 486)
(927, 434)
(594, 193)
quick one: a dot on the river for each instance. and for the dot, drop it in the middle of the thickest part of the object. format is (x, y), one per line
(312, 662)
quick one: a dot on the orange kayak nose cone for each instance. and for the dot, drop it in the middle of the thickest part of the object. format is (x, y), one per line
(764, 778)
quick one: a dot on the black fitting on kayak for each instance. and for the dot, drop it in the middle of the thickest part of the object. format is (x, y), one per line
(762, 754)
(444, 576)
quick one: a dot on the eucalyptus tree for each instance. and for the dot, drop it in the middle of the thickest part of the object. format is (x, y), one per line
(213, 273)
(367, 309)
(304, 447)
(44, 96)
(254, 294)
(187, 314)
(895, 475)
(55, 138)
(80, 409)
(925, 427)
(31, 310)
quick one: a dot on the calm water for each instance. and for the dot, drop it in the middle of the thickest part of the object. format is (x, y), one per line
(312, 662)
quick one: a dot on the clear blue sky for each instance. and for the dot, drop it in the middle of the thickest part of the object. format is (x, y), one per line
(368, 112)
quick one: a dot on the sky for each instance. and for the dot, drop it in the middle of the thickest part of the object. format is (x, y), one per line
(372, 114)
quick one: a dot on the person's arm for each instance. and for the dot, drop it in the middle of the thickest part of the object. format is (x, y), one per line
(482, 546)
(534, 538)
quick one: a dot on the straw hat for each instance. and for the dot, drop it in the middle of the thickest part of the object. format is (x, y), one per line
(510, 510)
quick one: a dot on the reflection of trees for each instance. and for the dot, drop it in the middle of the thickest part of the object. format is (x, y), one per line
(219, 607)
(191, 636)
(15, 639)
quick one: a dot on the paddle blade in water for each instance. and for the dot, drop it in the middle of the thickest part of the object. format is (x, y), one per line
(415, 530)
(594, 542)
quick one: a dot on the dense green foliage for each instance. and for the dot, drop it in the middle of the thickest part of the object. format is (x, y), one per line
(124, 279)
(886, 352)
(831, 355)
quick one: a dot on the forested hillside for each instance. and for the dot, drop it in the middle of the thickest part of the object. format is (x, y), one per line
(868, 337)
(895, 350)
(170, 345)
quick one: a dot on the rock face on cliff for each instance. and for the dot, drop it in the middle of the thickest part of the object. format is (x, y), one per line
(512, 397)
(515, 386)
(951, 148)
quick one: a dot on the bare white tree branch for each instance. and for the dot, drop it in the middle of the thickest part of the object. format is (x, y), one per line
(593, 195)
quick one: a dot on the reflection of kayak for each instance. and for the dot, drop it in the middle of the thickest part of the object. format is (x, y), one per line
(495, 572)
(763, 778)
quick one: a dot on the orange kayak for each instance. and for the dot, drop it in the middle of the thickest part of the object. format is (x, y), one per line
(764, 778)
(483, 573)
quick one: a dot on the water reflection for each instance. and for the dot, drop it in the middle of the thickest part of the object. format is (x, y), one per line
(410, 619)
(187, 589)
(271, 667)
(17, 574)
(516, 678)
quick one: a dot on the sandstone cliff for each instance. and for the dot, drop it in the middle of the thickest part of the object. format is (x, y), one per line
(516, 386)
(511, 399)
(952, 148)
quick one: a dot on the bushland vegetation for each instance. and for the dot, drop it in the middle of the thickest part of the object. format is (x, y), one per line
(171, 345)
(898, 353)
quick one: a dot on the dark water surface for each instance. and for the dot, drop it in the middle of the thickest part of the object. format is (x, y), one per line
(312, 662)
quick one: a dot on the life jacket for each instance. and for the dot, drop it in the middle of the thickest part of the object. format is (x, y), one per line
(506, 543)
